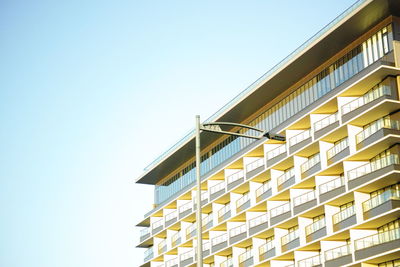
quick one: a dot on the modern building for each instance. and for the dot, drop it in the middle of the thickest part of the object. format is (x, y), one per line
(329, 195)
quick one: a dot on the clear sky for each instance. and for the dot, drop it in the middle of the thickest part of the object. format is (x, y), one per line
(93, 91)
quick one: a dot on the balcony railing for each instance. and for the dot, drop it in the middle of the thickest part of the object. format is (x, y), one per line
(157, 224)
(190, 230)
(258, 220)
(207, 219)
(373, 166)
(280, 209)
(276, 152)
(245, 256)
(171, 215)
(144, 231)
(377, 200)
(333, 184)
(383, 123)
(315, 226)
(255, 164)
(227, 263)
(225, 209)
(300, 137)
(162, 246)
(206, 246)
(337, 148)
(217, 187)
(234, 177)
(172, 262)
(187, 255)
(238, 230)
(304, 198)
(148, 254)
(377, 239)
(311, 261)
(175, 238)
(311, 162)
(289, 237)
(367, 98)
(219, 239)
(266, 247)
(242, 200)
(326, 121)
(185, 207)
(263, 188)
(286, 176)
(337, 252)
(343, 214)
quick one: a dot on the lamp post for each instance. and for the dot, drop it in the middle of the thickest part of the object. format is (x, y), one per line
(214, 127)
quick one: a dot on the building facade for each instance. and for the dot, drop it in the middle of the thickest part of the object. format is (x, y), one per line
(329, 195)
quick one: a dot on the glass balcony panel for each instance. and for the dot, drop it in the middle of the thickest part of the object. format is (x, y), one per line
(242, 200)
(343, 214)
(289, 237)
(309, 262)
(245, 256)
(304, 198)
(377, 239)
(333, 184)
(280, 209)
(373, 202)
(258, 220)
(266, 247)
(337, 252)
(238, 230)
(171, 215)
(276, 152)
(219, 239)
(311, 162)
(217, 187)
(227, 263)
(300, 137)
(148, 254)
(383, 123)
(234, 177)
(157, 224)
(263, 188)
(187, 255)
(286, 176)
(255, 164)
(225, 209)
(315, 226)
(373, 166)
(337, 148)
(185, 207)
(172, 262)
(326, 122)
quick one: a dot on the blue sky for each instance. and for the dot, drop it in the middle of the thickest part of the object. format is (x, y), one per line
(93, 91)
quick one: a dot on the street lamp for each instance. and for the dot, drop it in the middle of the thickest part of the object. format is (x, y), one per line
(214, 127)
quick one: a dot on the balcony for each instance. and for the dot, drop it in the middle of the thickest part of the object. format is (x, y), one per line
(237, 233)
(224, 213)
(187, 258)
(344, 218)
(378, 243)
(217, 190)
(219, 242)
(339, 256)
(255, 167)
(287, 179)
(185, 209)
(300, 140)
(381, 203)
(290, 241)
(171, 217)
(258, 223)
(148, 254)
(243, 203)
(276, 155)
(267, 251)
(338, 151)
(191, 231)
(370, 99)
(227, 263)
(176, 239)
(207, 222)
(304, 202)
(235, 179)
(311, 166)
(315, 230)
(310, 262)
(206, 249)
(376, 131)
(280, 213)
(144, 234)
(246, 259)
(326, 125)
(330, 189)
(157, 226)
(264, 191)
(203, 199)
(172, 263)
(372, 170)
(162, 247)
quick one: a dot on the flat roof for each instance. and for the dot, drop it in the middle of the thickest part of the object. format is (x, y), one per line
(352, 23)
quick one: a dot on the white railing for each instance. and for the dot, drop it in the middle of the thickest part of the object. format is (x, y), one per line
(148, 253)
(263, 188)
(242, 200)
(185, 207)
(285, 176)
(315, 226)
(377, 200)
(280, 209)
(258, 220)
(311, 162)
(300, 137)
(304, 198)
(187, 255)
(311, 261)
(171, 215)
(207, 219)
(144, 231)
(175, 237)
(289, 237)
(343, 214)
(386, 123)
(337, 148)
(377, 239)
(373, 166)
(157, 224)
(190, 229)
(234, 177)
(337, 252)
(206, 246)
(217, 187)
(162, 246)
(255, 164)
(276, 151)
(333, 184)
(238, 230)
(172, 262)
(326, 121)
(266, 247)
(227, 263)
(219, 239)
(225, 209)
(245, 256)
